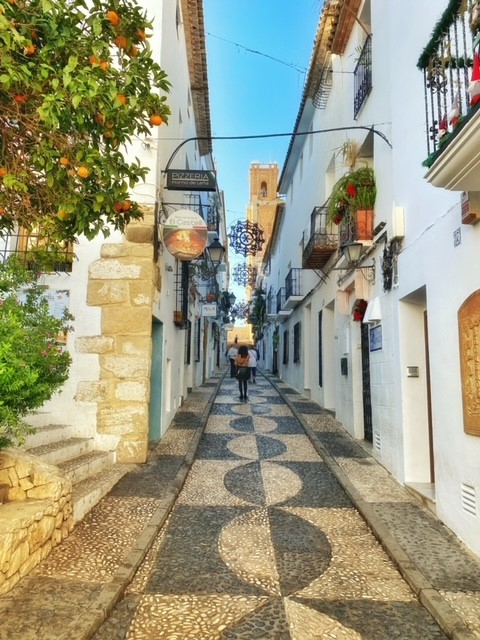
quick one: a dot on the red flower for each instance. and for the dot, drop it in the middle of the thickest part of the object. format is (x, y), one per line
(351, 190)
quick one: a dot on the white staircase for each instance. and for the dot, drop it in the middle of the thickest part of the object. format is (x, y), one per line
(92, 472)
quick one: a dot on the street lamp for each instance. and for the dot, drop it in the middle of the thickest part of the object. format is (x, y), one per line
(231, 299)
(215, 251)
(352, 252)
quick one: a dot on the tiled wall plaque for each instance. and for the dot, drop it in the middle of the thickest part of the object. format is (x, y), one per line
(469, 333)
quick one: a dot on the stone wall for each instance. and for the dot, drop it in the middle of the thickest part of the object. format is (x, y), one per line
(122, 283)
(36, 516)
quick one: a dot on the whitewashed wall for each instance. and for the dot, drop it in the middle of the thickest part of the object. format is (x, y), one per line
(434, 276)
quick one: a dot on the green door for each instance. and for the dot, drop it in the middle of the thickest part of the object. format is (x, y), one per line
(156, 399)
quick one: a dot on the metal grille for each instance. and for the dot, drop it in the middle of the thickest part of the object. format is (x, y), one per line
(38, 252)
(285, 347)
(362, 77)
(367, 401)
(446, 80)
(293, 283)
(297, 331)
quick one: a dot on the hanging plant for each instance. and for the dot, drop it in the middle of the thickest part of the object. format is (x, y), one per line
(355, 191)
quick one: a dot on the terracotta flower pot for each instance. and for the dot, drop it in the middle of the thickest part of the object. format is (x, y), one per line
(364, 224)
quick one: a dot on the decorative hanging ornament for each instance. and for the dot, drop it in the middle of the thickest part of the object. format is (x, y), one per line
(246, 238)
(240, 310)
(244, 274)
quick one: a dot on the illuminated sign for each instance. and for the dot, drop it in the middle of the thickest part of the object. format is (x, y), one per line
(185, 234)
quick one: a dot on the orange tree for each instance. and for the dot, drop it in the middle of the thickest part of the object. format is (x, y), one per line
(77, 84)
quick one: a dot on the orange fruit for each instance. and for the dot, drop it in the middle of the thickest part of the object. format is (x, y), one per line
(62, 214)
(29, 50)
(3, 172)
(121, 42)
(100, 118)
(141, 34)
(108, 134)
(156, 120)
(2, 211)
(118, 206)
(126, 205)
(133, 51)
(20, 99)
(83, 172)
(113, 18)
(104, 65)
(64, 161)
(121, 98)
(94, 60)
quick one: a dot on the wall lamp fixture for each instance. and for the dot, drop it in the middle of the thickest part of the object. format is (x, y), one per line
(215, 251)
(352, 252)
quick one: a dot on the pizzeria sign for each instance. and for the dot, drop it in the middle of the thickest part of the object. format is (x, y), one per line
(178, 180)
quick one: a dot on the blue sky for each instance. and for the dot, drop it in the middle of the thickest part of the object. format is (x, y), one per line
(252, 94)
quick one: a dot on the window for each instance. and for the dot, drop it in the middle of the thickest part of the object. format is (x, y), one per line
(285, 347)
(178, 17)
(362, 77)
(196, 340)
(297, 331)
(263, 190)
(320, 351)
(38, 252)
(188, 342)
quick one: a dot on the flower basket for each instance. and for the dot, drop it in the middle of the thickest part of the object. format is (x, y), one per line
(178, 318)
(355, 191)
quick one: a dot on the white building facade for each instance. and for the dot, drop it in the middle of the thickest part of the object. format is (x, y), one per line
(134, 361)
(379, 341)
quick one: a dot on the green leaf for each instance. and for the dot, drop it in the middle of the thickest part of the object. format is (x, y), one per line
(76, 100)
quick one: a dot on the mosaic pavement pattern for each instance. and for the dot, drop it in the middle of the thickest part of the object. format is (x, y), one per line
(263, 543)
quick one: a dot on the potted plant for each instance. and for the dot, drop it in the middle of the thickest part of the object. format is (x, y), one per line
(354, 196)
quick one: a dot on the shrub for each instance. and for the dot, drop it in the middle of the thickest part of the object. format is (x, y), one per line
(33, 365)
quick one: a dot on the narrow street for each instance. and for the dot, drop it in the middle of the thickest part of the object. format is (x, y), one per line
(245, 523)
(264, 543)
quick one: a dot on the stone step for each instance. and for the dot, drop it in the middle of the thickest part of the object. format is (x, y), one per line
(88, 492)
(86, 465)
(424, 492)
(46, 434)
(62, 450)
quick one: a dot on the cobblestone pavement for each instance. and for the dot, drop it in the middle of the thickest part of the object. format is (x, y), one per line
(262, 542)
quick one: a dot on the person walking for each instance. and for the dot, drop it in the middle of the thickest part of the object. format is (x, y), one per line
(231, 354)
(253, 354)
(243, 371)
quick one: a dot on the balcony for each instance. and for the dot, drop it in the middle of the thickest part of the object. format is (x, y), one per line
(320, 241)
(452, 117)
(281, 312)
(293, 288)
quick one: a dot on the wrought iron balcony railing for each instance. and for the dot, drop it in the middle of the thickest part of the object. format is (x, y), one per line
(38, 252)
(446, 63)
(362, 77)
(271, 304)
(281, 299)
(320, 240)
(293, 283)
